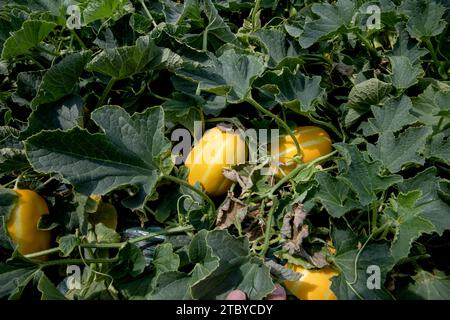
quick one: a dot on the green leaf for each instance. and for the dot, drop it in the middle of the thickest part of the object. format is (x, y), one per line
(173, 285)
(105, 234)
(231, 75)
(61, 78)
(99, 9)
(362, 176)
(405, 216)
(236, 271)
(391, 117)
(334, 195)
(29, 36)
(275, 44)
(215, 31)
(429, 105)
(132, 151)
(8, 201)
(296, 91)
(428, 286)
(47, 288)
(396, 152)
(131, 261)
(405, 47)
(332, 19)
(424, 18)
(404, 73)
(15, 275)
(27, 87)
(439, 147)
(64, 114)
(367, 93)
(351, 283)
(433, 208)
(68, 243)
(123, 62)
(165, 259)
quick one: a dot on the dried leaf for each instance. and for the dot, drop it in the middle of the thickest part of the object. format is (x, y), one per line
(230, 212)
(244, 182)
(282, 273)
(318, 259)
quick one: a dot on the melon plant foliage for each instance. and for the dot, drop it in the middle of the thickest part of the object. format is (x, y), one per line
(89, 98)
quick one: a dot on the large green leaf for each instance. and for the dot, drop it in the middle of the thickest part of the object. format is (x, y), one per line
(363, 176)
(439, 147)
(132, 151)
(351, 283)
(15, 275)
(222, 264)
(424, 18)
(61, 78)
(275, 44)
(123, 62)
(334, 195)
(332, 18)
(236, 270)
(428, 286)
(29, 36)
(391, 117)
(405, 47)
(27, 87)
(434, 209)
(63, 114)
(367, 93)
(293, 89)
(47, 288)
(404, 73)
(430, 106)
(100, 9)
(231, 75)
(406, 217)
(214, 31)
(396, 152)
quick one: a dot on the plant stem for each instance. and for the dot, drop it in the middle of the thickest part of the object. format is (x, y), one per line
(112, 245)
(374, 216)
(277, 119)
(148, 13)
(205, 41)
(294, 172)
(372, 234)
(42, 253)
(373, 52)
(187, 185)
(105, 92)
(432, 51)
(326, 124)
(77, 37)
(55, 54)
(254, 13)
(268, 228)
(77, 261)
(35, 61)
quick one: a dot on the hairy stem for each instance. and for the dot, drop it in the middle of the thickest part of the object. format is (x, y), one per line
(105, 92)
(187, 185)
(277, 119)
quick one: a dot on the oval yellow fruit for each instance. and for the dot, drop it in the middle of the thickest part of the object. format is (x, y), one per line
(23, 222)
(216, 150)
(314, 143)
(315, 284)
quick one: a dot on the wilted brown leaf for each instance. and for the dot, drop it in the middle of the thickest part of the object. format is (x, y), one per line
(230, 212)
